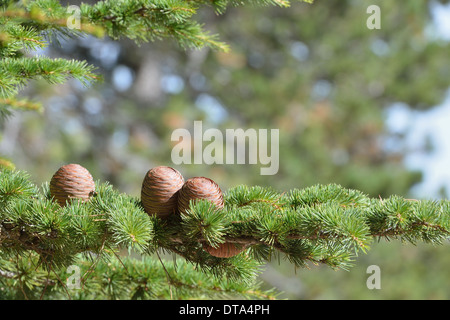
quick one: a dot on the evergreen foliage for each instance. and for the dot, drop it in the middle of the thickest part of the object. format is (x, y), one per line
(22, 29)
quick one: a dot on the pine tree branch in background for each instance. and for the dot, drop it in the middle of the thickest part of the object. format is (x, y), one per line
(15, 73)
(19, 104)
(149, 20)
(323, 224)
(24, 27)
(220, 6)
(7, 106)
(7, 164)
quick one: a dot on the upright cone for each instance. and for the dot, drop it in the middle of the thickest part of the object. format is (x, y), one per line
(71, 181)
(159, 193)
(199, 188)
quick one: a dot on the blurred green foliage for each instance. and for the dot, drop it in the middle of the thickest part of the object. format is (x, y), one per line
(406, 272)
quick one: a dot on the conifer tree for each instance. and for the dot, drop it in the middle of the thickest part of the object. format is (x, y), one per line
(41, 240)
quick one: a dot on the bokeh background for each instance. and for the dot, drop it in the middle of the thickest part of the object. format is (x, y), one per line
(367, 109)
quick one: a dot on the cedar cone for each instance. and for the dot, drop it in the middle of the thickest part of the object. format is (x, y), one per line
(199, 188)
(224, 250)
(71, 181)
(159, 193)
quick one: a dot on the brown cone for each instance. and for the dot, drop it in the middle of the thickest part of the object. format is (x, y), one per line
(159, 193)
(199, 188)
(224, 250)
(71, 181)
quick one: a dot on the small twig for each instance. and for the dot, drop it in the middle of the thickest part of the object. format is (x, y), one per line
(57, 277)
(169, 278)
(91, 268)
(19, 278)
(118, 258)
(46, 283)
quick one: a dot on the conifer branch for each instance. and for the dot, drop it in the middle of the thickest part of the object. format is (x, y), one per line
(15, 73)
(23, 27)
(49, 16)
(220, 6)
(145, 20)
(19, 104)
(321, 224)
